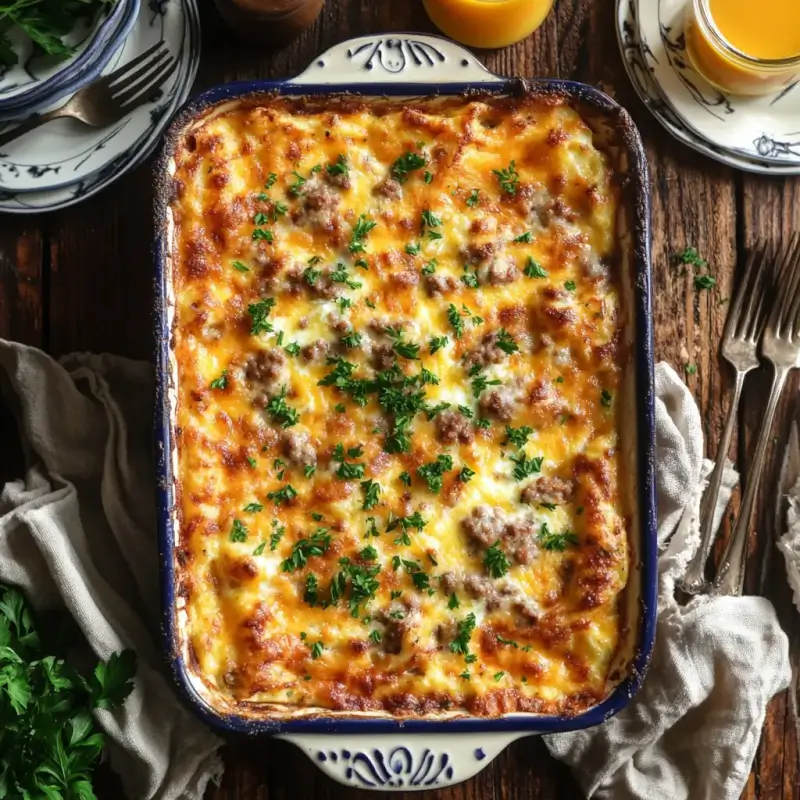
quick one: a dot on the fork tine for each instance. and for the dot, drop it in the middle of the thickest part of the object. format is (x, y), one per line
(734, 312)
(794, 311)
(126, 68)
(141, 75)
(139, 93)
(753, 287)
(790, 285)
(779, 275)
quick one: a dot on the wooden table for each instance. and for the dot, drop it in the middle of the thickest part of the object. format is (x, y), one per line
(81, 279)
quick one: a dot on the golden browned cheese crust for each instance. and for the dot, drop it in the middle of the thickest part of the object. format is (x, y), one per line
(398, 340)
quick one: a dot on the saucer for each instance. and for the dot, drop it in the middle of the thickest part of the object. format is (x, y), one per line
(764, 129)
(633, 58)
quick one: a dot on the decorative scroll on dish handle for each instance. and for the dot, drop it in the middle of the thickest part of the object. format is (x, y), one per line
(402, 762)
(399, 58)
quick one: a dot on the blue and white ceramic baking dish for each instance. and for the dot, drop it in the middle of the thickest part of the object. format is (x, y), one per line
(379, 751)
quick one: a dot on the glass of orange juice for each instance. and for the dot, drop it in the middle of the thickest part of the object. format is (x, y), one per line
(488, 23)
(744, 47)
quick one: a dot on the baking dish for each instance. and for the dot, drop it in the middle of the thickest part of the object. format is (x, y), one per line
(367, 750)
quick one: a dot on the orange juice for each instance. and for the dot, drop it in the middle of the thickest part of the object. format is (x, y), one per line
(744, 47)
(488, 23)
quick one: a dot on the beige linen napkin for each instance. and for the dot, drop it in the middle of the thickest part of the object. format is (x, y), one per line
(692, 731)
(79, 531)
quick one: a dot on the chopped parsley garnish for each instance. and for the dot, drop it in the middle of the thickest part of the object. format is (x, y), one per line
(605, 398)
(483, 423)
(395, 594)
(311, 275)
(473, 199)
(361, 581)
(569, 286)
(369, 304)
(430, 219)
(496, 561)
(432, 235)
(315, 545)
(405, 164)
(372, 492)
(252, 462)
(464, 632)
(454, 318)
(510, 642)
(351, 340)
(466, 474)
(430, 267)
(518, 436)
(252, 508)
(348, 471)
(480, 383)
(400, 346)
(549, 506)
(498, 676)
(426, 377)
(361, 263)
(316, 649)
(704, 282)
(372, 528)
(279, 465)
(533, 269)
(239, 267)
(432, 411)
(452, 601)
(277, 534)
(283, 495)
(263, 234)
(465, 675)
(340, 275)
(309, 470)
(436, 343)
(507, 178)
(238, 531)
(260, 219)
(271, 180)
(433, 473)
(690, 369)
(470, 279)
(524, 467)
(296, 189)
(368, 553)
(344, 303)
(259, 549)
(316, 516)
(221, 382)
(360, 230)
(506, 342)
(281, 412)
(405, 478)
(311, 594)
(375, 636)
(525, 238)
(338, 168)
(428, 176)
(413, 249)
(259, 312)
(467, 412)
(690, 257)
(278, 210)
(548, 540)
(314, 260)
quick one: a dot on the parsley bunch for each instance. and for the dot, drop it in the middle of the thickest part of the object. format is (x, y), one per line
(49, 744)
(46, 22)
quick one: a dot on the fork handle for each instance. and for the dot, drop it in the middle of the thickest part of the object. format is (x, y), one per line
(694, 580)
(31, 125)
(730, 575)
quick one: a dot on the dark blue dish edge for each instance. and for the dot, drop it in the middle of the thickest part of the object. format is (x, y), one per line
(638, 195)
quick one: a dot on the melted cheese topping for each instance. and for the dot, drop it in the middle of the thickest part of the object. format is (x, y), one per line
(398, 339)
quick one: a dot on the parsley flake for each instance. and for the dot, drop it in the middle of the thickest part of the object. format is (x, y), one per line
(496, 561)
(221, 382)
(507, 178)
(405, 164)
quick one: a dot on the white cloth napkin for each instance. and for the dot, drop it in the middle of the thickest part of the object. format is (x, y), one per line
(692, 730)
(79, 531)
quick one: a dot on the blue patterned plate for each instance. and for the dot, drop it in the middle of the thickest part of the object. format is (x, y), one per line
(764, 129)
(65, 162)
(634, 57)
(37, 80)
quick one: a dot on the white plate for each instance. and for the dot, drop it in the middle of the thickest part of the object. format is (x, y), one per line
(760, 128)
(72, 162)
(633, 57)
(37, 78)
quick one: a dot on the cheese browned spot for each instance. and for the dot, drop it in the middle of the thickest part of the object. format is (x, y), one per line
(408, 482)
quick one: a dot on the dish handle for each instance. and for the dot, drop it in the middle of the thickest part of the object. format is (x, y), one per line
(401, 762)
(399, 58)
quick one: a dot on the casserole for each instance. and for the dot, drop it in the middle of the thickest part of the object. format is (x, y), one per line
(414, 763)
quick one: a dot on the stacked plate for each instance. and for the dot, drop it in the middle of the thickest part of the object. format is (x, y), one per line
(753, 134)
(64, 161)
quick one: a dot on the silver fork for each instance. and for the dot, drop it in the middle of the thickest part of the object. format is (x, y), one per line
(781, 346)
(743, 330)
(109, 99)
